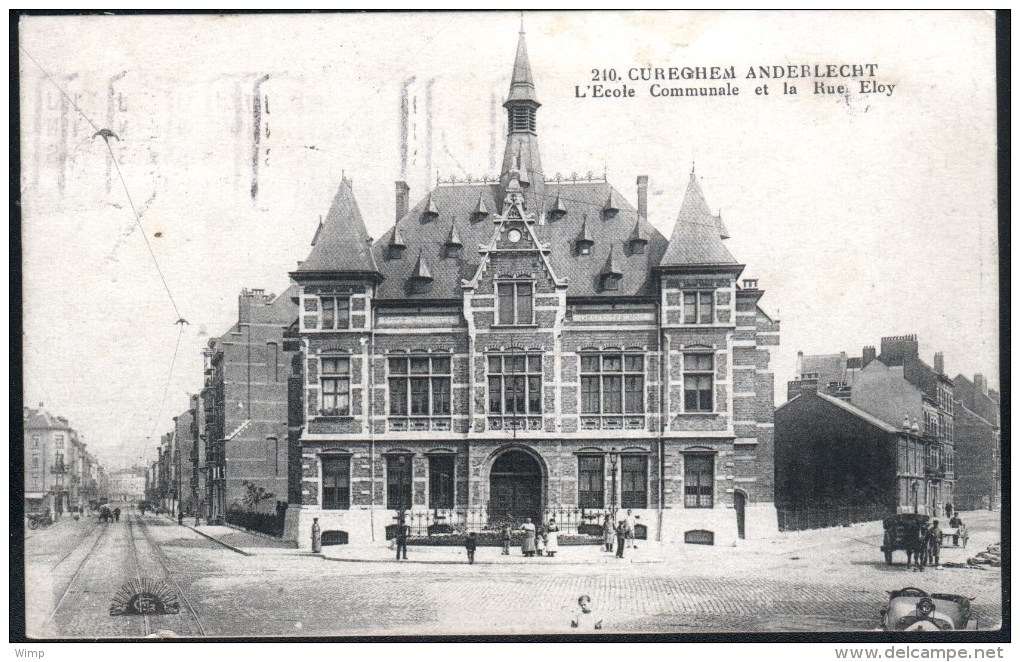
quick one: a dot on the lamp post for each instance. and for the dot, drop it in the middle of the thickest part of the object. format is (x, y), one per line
(613, 457)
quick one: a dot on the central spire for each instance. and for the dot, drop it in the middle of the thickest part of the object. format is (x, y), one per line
(521, 159)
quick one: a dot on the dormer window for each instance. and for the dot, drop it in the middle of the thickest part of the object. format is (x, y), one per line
(431, 211)
(395, 247)
(611, 282)
(584, 241)
(453, 242)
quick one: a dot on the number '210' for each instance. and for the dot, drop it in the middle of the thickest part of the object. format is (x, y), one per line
(603, 75)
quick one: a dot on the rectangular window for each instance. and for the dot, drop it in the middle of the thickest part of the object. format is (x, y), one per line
(515, 384)
(698, 307)
(591, 481)
(398, 482)
(58, 440)
(699, 371)
(335, 379)
(336, 312)
(441, 481)
(336, 483)
(634, 481)
(612, 384)
(419, 386)
(698, 480)
(516, 303)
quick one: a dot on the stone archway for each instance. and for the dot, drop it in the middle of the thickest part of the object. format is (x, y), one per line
(515, 487)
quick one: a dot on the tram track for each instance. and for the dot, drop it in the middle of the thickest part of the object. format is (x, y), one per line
(77, 573)
(164, 563)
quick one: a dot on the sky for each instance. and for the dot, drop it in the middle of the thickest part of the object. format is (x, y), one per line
(861, 215)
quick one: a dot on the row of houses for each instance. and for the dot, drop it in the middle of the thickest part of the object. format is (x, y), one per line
(863, 437)
(61, 474)
(525, 346)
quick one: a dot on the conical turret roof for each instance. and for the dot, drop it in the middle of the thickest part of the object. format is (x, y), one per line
(341, 242)
(696, 236)
(522, 85)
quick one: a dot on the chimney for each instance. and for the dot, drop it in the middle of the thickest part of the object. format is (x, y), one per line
(867, 356)
(979, 383)
(244, 302)
(403, 199)
(897, 350)
(642, 197)
(939, 363)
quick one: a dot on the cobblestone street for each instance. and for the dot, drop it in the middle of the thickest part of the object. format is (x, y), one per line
(815, 580)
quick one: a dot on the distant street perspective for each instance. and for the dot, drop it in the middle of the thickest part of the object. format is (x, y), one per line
(232, 583)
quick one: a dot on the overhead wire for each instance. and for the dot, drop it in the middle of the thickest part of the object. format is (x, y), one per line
(100, 133)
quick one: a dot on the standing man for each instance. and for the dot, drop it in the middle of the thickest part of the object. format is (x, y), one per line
(403, 531)
(935, 542)
(621, 537)
(471, 544)
(507, 534)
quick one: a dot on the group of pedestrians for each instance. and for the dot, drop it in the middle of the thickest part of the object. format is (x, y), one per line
(538, 540)
(620, 533)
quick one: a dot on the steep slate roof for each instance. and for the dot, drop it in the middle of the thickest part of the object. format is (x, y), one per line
(456, 205)
(696, 236)
(42, 419)
(341, 243)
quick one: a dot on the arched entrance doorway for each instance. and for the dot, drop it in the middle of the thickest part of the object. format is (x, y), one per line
(739, 503)
(515, 488)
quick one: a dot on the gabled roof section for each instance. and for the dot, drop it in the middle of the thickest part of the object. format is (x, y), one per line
(341, 243)
(612, 267)
(696, 236)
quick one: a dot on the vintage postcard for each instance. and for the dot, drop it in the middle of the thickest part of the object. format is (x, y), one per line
(510, 323)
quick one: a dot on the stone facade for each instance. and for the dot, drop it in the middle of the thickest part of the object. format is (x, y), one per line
(532, 348)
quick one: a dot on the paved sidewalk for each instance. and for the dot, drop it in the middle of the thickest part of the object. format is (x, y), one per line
(647, 552)
(244, 542)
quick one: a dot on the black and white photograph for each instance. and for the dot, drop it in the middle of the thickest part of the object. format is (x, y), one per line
(508, 324)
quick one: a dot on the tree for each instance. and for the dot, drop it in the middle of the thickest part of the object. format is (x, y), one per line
(255, 494)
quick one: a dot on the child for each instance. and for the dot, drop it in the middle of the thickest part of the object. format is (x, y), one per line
(506, 539)
(470, 545)
(540, 542)
(584, 618)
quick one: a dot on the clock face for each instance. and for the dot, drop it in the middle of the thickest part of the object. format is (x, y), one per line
(514, 235)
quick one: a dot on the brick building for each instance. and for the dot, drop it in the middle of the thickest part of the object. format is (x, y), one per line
(532, 347)
(978, 444)
(837, 463)
(899, 389)
(245, 406)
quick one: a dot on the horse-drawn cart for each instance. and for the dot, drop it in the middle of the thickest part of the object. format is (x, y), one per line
(906, 531)
(957, 535)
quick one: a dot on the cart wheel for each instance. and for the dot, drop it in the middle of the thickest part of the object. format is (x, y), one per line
(32, 524)
(888, 557)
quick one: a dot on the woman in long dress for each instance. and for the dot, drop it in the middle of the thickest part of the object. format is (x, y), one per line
(528, 544)
(552, 539)
(608, 533)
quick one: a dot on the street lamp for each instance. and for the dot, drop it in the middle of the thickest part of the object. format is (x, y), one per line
(613, 456)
